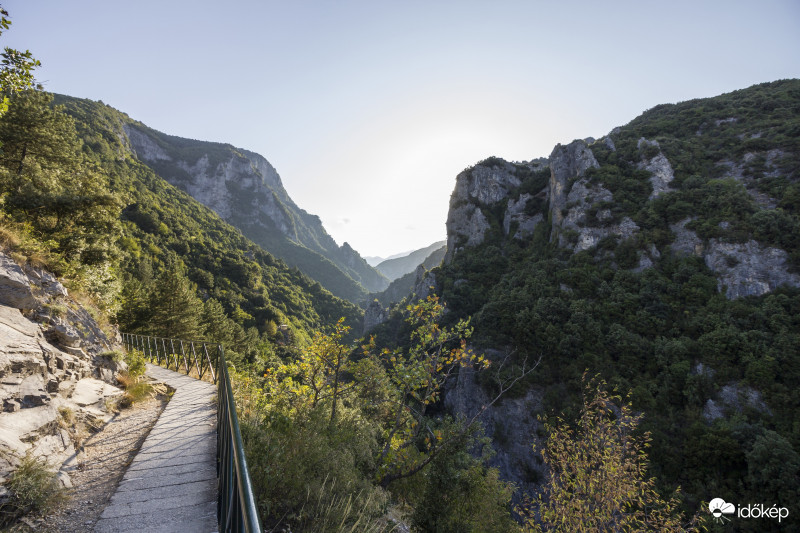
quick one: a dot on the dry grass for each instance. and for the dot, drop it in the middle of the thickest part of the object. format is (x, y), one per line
(33, 487)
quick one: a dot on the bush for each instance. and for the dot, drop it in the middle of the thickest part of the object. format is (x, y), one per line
(136, 363)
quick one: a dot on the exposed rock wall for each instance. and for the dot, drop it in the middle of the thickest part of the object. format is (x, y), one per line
(748, 269)
(580, 219)
(374, 315)
(511, 424)
(50, 364)
(244, 189)
(661, 173)
(567, 163)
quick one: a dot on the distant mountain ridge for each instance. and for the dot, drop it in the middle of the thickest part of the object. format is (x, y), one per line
(396, 267)
(246, 191)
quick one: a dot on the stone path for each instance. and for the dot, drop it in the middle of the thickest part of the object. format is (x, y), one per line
(171, 485)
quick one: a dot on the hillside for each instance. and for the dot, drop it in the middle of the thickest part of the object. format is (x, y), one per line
(160, 221)
(663, 257)
(245, 190)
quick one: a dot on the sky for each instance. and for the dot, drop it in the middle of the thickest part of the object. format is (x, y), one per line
(370, 109)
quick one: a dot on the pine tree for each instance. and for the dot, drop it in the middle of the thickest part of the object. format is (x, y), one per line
(47, 182)
(217, 326)
(175, 307)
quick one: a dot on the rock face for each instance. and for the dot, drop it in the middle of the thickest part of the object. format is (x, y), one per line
(516, 213)
(466, 226)
(567, 163)
(661, 173)
(245, 190)
(748, 269)
(580, 216)
(511, 424)
(479, 190)
(374, 315)
(49, 352)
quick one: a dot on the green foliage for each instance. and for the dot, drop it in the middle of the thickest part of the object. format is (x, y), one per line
(174, 306)
(54, 194)
(459, 494)
(162, 225)
(16, 68)
(301, 458)
(332, 425)
(665, 335)
(136, 363)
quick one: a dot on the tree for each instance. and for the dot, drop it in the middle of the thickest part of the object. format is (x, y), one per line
(16, 68)
(49, 185)
(216, 325)
(317, 376)
(598, 479)
(174, 304)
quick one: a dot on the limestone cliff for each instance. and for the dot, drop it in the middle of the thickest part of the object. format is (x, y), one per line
(246, 191)
(51, 363)
(581, 213)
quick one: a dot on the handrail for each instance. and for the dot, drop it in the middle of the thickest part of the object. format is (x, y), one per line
(236, 504)
(238, 511)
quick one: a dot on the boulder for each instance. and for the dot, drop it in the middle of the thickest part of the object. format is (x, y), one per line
(15, 286)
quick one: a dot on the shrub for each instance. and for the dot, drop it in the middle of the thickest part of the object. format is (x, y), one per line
(136, 363)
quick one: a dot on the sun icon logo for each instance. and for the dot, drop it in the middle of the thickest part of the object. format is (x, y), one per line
(718, 507)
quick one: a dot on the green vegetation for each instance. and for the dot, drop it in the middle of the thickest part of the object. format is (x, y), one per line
(719, 148)
(338, 438)
(16, 68)
(301, 241)
(339, 424)
(171, 247)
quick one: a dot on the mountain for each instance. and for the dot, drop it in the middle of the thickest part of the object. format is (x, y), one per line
(160, 221)
(411, 283)
(663, 257)
(245, 190)
(405, 264)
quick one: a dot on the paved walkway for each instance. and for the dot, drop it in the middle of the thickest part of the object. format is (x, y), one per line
(171, 485)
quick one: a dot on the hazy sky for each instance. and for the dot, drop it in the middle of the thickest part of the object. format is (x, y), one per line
(370, 109)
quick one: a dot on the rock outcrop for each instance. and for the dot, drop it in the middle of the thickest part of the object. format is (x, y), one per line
(580, 214)
(374, 315)
(50, 367)
(516, 212)
(567, 163)
(748, 269)
(511, 424)
(661, 173)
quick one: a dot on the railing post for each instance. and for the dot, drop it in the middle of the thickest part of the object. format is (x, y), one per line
(200, 370)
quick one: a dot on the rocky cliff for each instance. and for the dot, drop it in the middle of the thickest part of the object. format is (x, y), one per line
(52, 367)
(582, 214)
(244, 189)
(665, 257)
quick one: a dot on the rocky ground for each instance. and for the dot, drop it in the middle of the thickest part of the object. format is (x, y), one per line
(101, 462)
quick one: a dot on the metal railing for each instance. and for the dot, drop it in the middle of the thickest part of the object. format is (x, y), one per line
(236, 504)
